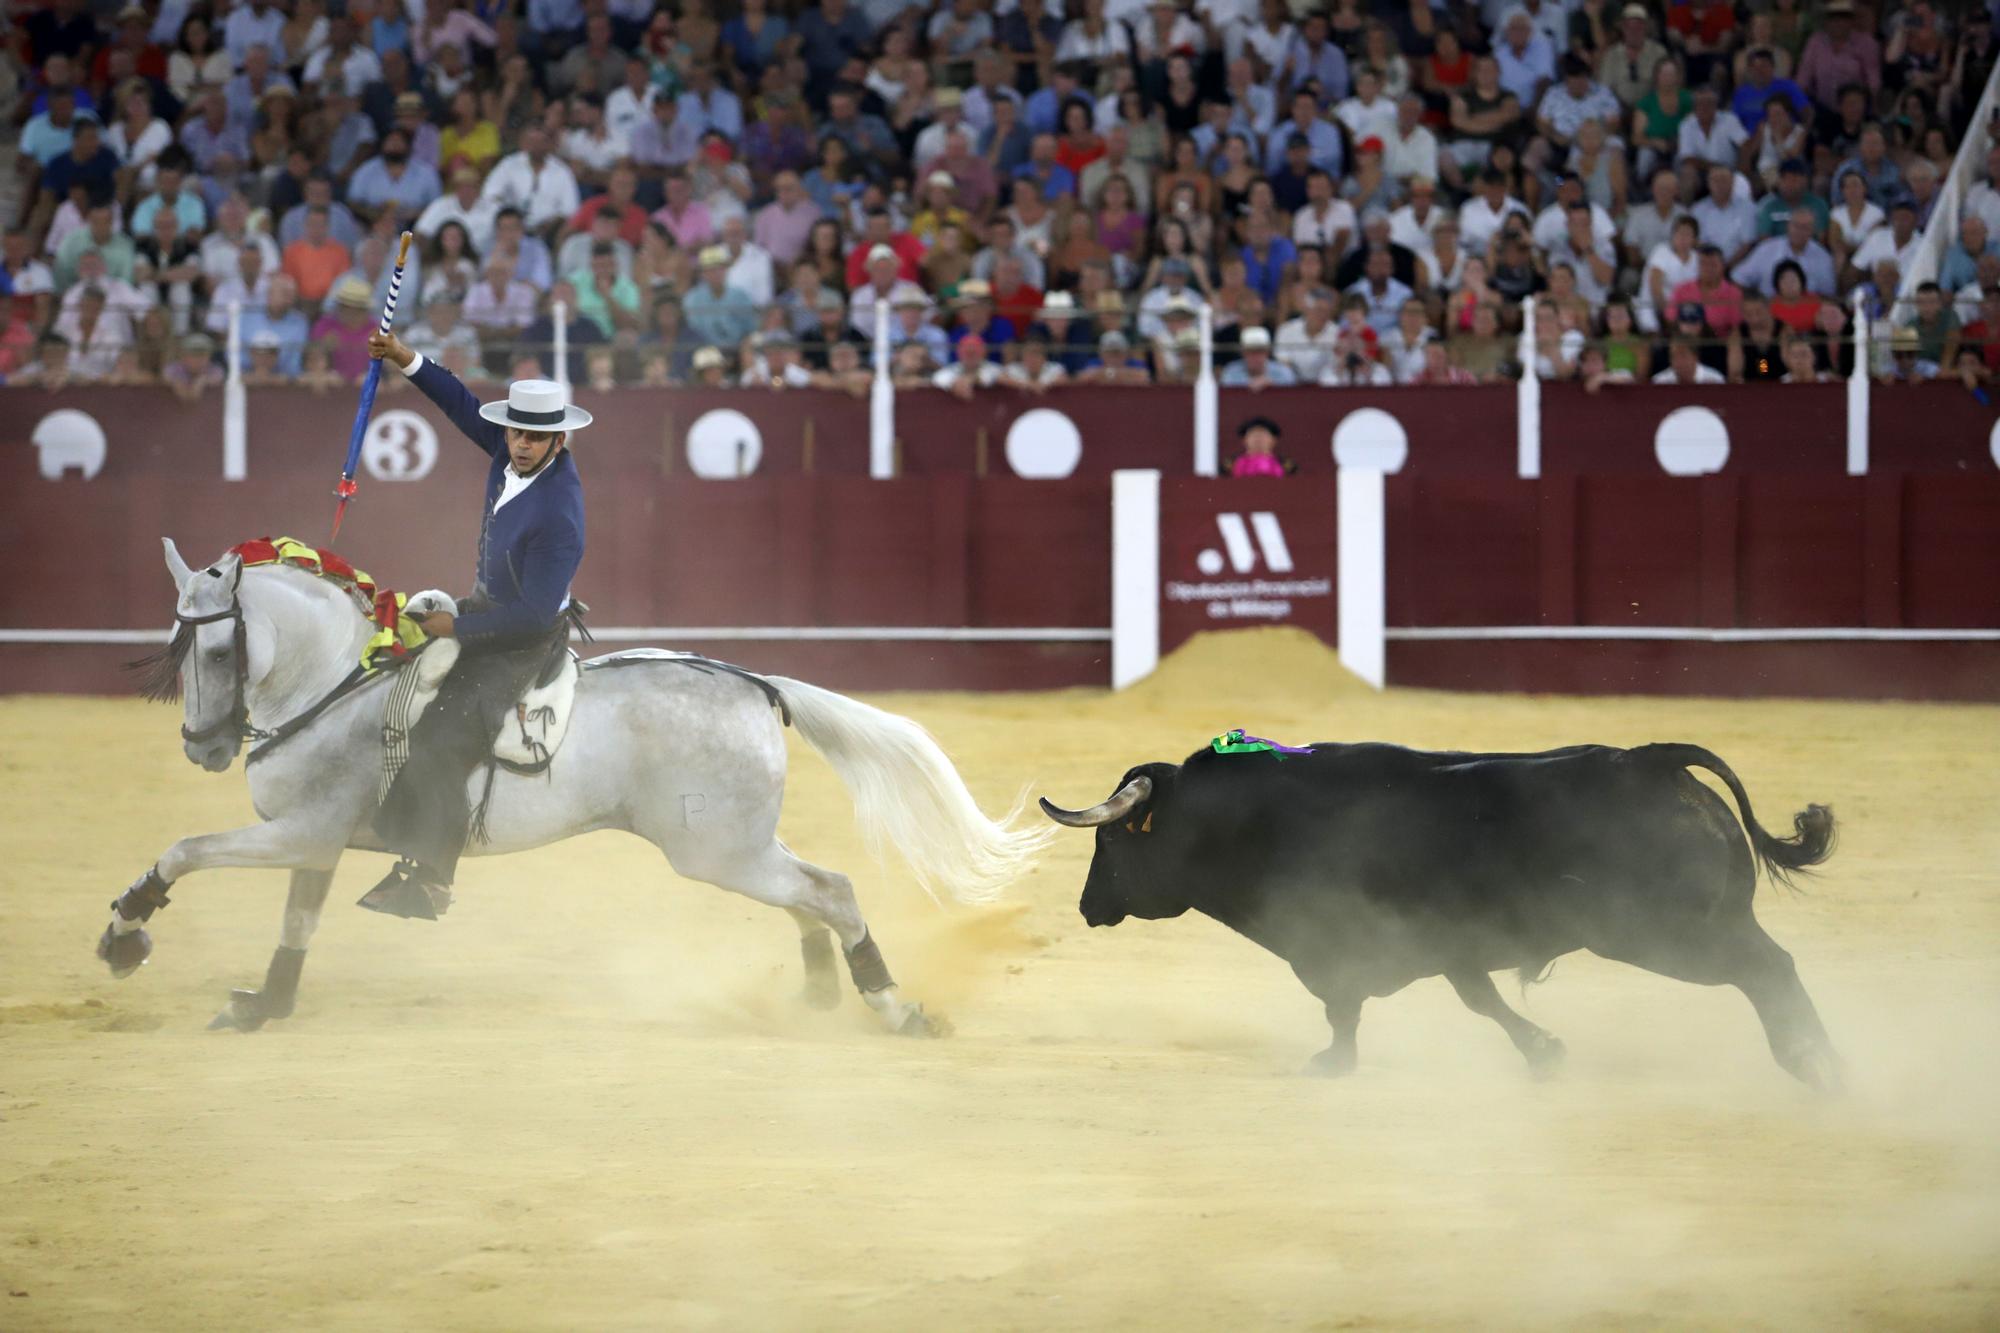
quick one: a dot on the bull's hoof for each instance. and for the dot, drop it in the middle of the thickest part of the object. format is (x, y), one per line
(246, 1012)
(1819, 1069)
(917, 1023)
(1545, 1056)
(124, 954)
(1333, 1062)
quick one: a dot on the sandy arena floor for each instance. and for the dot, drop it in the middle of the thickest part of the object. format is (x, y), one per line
(588, 1099)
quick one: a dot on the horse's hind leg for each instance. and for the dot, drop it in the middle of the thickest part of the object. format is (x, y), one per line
(249, 1010)
(816, 947)
(817, 898)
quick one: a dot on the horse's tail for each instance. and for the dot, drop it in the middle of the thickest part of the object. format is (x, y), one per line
(907, 793)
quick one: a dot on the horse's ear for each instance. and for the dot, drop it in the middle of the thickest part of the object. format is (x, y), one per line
(175, 565)
(230, 570)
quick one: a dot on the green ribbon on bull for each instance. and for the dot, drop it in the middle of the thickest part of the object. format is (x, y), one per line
(1235, 742)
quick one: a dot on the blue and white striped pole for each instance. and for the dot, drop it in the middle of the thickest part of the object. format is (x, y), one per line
(344, 490)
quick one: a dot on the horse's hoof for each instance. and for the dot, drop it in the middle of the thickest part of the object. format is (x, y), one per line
(245, 1013)
(917, 1023)
(1545, 1059)
(124, 954)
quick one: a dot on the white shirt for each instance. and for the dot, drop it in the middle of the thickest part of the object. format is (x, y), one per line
(1702, 375)
(1673, 271)
(1366, 120)
(1309, 228)
(988, 373)
(1415, 156)
(751, 274)
(1406, 231)
(625, 111)
(1552, 224)
(1881, 245)
(1984, 201)
(1310, 355)
(219, 255)
(548, 195)
(477, 220)
(594, 151)
(1478, 221)
(1718, 143)
(358, 68)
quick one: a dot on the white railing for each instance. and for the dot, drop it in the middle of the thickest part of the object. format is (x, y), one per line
(1942, 229)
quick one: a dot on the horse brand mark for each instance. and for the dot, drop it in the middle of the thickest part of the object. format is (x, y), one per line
(692, 804)
(67, 438)
(399, 446)
(1242, 555)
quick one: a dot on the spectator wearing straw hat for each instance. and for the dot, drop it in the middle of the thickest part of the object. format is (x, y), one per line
(716, 312)
(1255, 368)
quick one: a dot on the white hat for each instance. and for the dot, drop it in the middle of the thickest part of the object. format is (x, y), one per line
(535, 405)
(880, 251)
(1256, 337)
(1061, 302)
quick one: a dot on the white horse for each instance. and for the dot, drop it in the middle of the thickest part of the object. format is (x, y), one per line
(690, 759)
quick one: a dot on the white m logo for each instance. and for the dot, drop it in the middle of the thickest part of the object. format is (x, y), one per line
(1236, 540)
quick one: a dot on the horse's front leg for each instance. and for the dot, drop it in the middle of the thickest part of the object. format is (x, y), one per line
(278, 845)
(249, 1010)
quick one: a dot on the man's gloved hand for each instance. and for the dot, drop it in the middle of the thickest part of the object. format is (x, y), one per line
(429, 600)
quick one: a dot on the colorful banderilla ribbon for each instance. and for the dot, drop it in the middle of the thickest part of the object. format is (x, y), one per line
(344, 490)
(1235, 742)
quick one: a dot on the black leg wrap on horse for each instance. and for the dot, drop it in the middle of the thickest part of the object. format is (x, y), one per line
(139, 902)
(281, 981)
(864, 962)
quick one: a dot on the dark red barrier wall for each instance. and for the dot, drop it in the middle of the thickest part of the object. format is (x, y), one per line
(1603, 540)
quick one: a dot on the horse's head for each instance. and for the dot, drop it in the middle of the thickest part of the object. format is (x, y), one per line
(207, 663)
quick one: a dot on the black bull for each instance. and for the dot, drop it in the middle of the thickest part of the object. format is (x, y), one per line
(1367, 867)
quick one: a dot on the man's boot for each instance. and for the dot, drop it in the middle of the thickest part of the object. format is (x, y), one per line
(409, 890)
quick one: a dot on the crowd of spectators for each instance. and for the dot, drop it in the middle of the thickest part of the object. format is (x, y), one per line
(1041, 191)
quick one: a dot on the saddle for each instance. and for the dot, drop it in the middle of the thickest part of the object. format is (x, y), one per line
(529, 736)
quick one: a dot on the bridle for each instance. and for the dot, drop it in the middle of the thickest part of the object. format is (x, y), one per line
(236, 723)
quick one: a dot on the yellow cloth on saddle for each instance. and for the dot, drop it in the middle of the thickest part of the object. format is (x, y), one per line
(396, 635)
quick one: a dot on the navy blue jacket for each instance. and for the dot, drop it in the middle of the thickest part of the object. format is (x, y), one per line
(529, 551)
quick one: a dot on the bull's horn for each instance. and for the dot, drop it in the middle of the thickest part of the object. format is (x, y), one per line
(1120, 805)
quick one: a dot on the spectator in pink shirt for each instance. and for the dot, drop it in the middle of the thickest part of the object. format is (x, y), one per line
(784, 224)
(683, 217)
(1837, 55)
(344, 330)
(1260, 456)
(1720, 299)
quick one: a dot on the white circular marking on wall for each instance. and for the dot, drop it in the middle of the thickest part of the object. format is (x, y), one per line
(724, 444)
(1993, 444)
(67, 438)
(1691, 442)
(1370, 438)
(1043, 444)
(399, 446)
(1209, 562)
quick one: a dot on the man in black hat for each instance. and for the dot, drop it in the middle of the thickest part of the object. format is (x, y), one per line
(1260, 457)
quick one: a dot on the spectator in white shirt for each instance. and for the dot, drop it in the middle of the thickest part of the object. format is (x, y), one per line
(1898, 242)
(750, 268)
(540, 185)
(1175, 274)
(1984, 198)
(1727, 217)
(630, 104)
(1672, 263)
(1409, 149)
(1381, 289)
(463, 206)
(1367, 114)
(1589, 255)
(1306, 343)
(1684, 366)
(1552, 223)
(1479, 217)
(1326, 220)
(1711, 135)
(1411, 225)
(1568, 104)
(591, 146)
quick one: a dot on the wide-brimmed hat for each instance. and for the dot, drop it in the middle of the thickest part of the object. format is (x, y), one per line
(535, 405)
(353, 292)
(1255, 336)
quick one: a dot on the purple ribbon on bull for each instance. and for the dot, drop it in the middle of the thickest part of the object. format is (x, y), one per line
(1235, 742)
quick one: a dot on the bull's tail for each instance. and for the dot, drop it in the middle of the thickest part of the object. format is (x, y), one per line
(1812, 828)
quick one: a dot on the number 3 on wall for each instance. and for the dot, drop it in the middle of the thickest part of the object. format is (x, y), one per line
(399, 446)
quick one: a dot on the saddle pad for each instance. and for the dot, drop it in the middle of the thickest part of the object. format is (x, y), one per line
(408, 697)
(530, 737)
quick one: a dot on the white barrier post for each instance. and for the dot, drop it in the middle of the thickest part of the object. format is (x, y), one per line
(561, 309)
(1528, 400)
(1135, 575)
(1857, 395)
(235, 404)
(1207, 456)
(882, 402)
(1363, 574)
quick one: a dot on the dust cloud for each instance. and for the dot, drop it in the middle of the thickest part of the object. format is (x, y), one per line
(589, 1097)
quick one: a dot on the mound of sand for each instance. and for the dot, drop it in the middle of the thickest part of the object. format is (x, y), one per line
(1276, 670)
